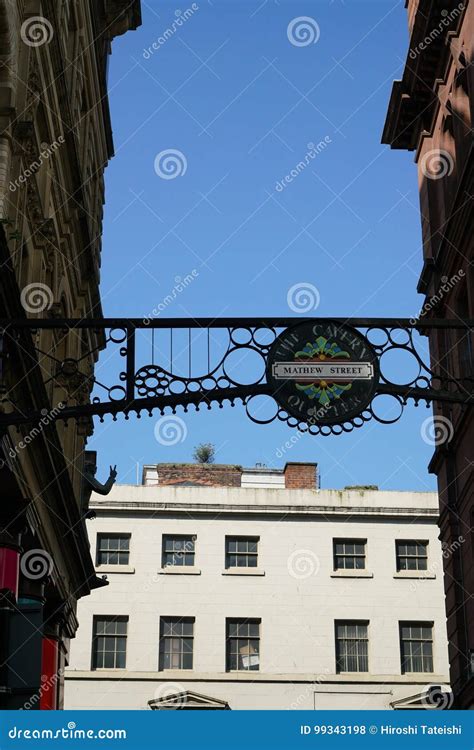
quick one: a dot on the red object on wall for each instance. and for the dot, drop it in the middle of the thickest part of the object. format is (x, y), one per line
(9, 569)
(49, 675)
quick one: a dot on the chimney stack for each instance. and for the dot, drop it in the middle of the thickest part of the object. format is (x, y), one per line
(300, 476)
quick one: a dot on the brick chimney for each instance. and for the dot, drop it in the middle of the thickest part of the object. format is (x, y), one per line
(300, 476)
(209, 475)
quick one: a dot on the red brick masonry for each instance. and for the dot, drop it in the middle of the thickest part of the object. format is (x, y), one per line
(210, 475)
(298, 476)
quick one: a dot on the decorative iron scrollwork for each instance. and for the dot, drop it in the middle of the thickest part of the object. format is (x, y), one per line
(317, 375)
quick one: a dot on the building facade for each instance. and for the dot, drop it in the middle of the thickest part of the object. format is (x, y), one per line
(55, 142)
(252, 589)
(431, 113)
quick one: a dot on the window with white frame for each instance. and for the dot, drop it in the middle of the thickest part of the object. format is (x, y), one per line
(243, 645)
(109, 642)
(113, 549)
(352, 644)
(178, 550)
(349, 554)
(176, 642)
(411, 554)
(241, 552)
(416, 646)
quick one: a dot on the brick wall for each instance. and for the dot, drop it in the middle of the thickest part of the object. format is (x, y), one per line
(211, 475)
(299, 476)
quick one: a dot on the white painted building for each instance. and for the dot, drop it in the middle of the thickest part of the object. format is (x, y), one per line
(252, 589)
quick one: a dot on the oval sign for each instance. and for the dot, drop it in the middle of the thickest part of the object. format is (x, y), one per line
(322, 372)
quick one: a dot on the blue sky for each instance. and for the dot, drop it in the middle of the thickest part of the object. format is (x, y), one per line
(241, 102)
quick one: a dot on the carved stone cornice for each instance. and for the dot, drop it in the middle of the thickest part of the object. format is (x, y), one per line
(413, 102)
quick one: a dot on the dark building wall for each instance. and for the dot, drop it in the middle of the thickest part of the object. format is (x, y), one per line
(53, 100)
(431, 112)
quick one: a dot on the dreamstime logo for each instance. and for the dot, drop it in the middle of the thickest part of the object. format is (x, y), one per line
(47, 684)
(180, 285)
(36, 297)
(170, 430)
(168, 690)
(170, 164)
(303, 297)
(180, 18)
(303, 563)
(36, 31)
(314, 149)
(305, 697)
(303, 31)
(47, 150)
(437, 430)
(447, 17)
(11, 451)
(447, 551)
(188, 546)
(36, 564)
(446, 285)
(438, 697)
(436, 164)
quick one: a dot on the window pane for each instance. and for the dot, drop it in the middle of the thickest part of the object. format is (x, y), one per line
(254, 628)
(351, 647)
(109, 660)
(175, 649)
(241, 552)
(242, 645)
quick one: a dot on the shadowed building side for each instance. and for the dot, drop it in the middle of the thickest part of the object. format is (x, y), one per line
(431, 112)
(55, 142)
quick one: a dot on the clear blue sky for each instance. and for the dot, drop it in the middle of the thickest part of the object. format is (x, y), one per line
(231, 93)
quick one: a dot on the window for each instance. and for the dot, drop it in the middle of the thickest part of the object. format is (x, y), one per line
(412, 555)
(243, 645)
(241, 552)
(109, 642)
(349, 554)
(178, 550)
(416, 646)
(176, 642)
(113, 549)
(352, 647)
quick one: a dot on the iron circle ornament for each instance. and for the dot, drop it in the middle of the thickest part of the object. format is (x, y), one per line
(322, 372)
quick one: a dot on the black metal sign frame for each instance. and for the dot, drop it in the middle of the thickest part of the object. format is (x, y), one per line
(353, 354)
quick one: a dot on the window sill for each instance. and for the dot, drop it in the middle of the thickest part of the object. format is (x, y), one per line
(242, 671)
(417, 574)
(179, 570)
(109, 669)
(174, 670)
(114, 569)
(351, 574)
(243, 572)
(347, 674)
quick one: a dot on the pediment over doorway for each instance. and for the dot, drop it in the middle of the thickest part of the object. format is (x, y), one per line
(187, 700)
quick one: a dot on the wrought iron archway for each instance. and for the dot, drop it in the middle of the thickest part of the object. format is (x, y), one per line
(150, 375)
